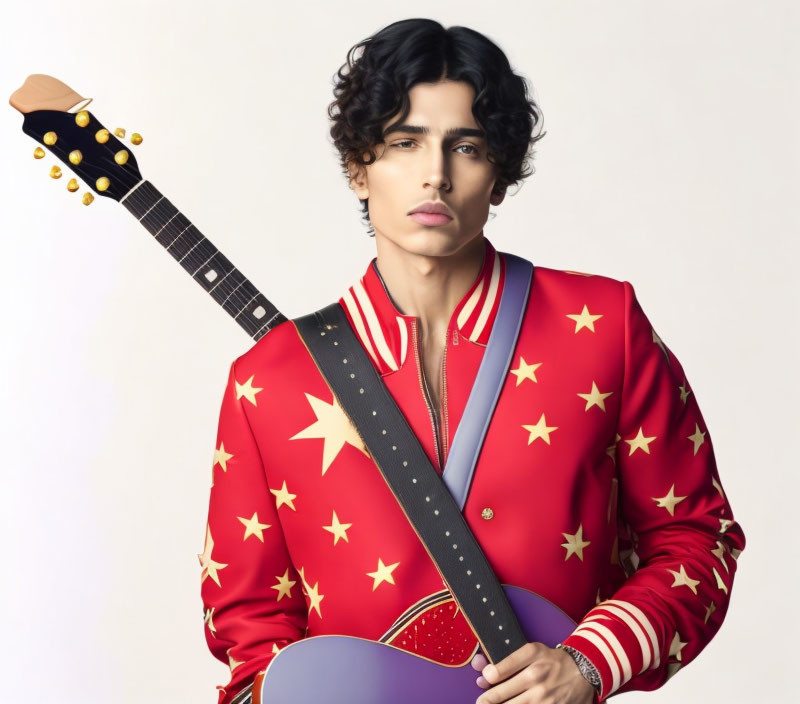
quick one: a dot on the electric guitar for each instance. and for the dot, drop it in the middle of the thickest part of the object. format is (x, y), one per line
(313, 670)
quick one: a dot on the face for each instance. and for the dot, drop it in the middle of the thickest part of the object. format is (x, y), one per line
(412, 168)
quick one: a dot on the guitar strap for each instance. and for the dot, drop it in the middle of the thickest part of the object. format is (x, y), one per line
(432, 503)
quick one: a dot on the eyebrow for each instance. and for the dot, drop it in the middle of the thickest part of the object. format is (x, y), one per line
(449, 134)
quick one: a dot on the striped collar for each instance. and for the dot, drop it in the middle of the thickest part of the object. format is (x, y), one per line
(386, 332)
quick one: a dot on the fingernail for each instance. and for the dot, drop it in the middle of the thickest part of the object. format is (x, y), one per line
(490, 672)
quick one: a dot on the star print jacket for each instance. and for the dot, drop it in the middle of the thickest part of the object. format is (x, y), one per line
(596, 488)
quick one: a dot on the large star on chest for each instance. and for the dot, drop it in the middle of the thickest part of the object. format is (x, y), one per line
(334, 427)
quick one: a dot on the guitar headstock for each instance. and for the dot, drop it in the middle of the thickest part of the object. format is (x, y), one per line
(76, 137)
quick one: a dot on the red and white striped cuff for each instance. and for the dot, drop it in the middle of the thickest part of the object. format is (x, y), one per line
(619, 639)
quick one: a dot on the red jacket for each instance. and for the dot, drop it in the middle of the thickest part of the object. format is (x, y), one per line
(596, 488)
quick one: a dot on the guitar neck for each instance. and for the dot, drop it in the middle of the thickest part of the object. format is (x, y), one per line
(202, 260)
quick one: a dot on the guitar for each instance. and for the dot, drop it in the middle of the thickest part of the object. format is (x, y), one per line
(342, 668)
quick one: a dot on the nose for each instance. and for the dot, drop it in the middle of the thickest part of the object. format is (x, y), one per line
(437, 170)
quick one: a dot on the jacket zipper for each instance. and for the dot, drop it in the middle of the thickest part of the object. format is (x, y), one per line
(423, 385)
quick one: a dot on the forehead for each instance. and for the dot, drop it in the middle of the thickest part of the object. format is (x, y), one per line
(440, 106)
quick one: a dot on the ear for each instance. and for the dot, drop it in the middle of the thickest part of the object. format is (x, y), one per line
(358, 179)
(497, 198)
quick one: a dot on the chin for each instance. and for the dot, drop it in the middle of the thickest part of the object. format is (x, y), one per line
(433, 241)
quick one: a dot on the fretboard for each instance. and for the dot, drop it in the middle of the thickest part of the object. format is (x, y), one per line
(203, 261)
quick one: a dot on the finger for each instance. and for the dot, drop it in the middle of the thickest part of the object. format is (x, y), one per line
(479, 662)
(481, 682)
(511, 664)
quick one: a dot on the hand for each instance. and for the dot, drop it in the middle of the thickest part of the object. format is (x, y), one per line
(534, 673)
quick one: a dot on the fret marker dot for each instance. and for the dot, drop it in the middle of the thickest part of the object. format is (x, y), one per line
(211, 275)
(259, 312)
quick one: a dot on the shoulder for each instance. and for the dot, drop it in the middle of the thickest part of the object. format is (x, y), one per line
(273, 354)
(570, 286)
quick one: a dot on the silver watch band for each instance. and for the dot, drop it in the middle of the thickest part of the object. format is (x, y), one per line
(587, 669)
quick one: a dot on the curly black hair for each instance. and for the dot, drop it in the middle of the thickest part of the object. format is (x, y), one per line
(375, 87)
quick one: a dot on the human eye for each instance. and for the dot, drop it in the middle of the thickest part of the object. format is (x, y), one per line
(471, 146)
(405, 141)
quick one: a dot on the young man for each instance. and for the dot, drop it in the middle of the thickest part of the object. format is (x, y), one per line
(596, 486)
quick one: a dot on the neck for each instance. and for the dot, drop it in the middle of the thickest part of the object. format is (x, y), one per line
(429, 287)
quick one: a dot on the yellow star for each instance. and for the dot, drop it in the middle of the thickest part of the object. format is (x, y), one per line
(526, 371)
(575, 543)
(339, 530)
(724, 524)
(282, 496)
(312, 594)
(595, 398)
(735, 552)
(253, 527)
(222, 457)
(697, 437)
(684, 392)
(719, 552)
(584, 319)
(247, 390)
(659, 342)
(209, 566)
(669, 501)
(710, 609)
(233, 664)
(208, 619)
(275, 649)
(681, 578)
(284, 585)
(611, 450)
(720, 583)
(334, 426)
(717, 486)
(540, 430)
(382, 574)
(640, 441)
(676, 646)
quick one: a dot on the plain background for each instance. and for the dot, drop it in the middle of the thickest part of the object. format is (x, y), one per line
(670, 160)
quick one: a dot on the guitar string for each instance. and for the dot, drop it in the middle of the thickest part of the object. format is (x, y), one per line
(241, 301)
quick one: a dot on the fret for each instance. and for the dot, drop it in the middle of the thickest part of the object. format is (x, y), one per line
(203, 261)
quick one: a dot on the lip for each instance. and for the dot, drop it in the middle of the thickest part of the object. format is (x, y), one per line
(431, 206)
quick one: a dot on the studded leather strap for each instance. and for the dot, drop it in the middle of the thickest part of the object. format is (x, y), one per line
(425, 499)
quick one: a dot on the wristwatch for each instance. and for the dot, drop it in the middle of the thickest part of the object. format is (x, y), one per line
(588, 670)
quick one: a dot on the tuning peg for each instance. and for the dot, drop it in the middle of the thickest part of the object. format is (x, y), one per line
(101, 136)
(55, 172)
(102, 183)
(49, 138)
(75, 157)
(87, 198)
(38, 153)
(72, 186)
(136, 138)
(119, 132)
(82, 118)
(121, 157)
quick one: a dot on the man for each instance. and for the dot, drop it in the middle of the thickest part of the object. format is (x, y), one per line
(596, 486)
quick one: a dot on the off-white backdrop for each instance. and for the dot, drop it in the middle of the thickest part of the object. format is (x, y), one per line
(671, 160)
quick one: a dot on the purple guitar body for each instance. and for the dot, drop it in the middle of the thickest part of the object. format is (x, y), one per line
(334, 669)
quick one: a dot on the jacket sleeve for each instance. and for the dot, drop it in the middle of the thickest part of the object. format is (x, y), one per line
(252, 600)
(686, 541)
